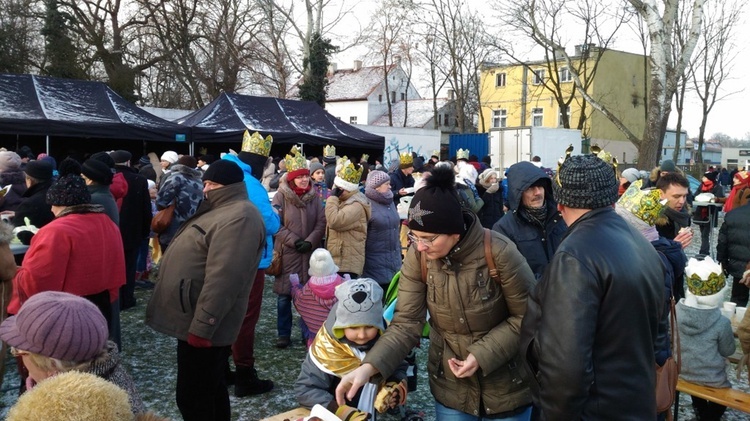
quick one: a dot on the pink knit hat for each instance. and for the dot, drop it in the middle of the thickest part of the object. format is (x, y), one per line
(57, 325)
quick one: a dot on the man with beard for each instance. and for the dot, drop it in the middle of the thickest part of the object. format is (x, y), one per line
(533, 223)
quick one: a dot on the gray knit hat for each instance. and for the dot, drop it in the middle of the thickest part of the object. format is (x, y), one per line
(585, 182)
(360, 303)
(57, 325)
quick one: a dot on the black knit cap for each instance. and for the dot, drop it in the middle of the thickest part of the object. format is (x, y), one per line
(104, 157)
(121, 156)
(585, 182)
(435, 207)
(40, 170)
(97, 171)
(224, 172)
(69, 189)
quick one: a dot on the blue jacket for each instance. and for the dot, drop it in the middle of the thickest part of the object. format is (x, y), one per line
(259, 196)
(674, 261)
(383, 246)
(536, 243)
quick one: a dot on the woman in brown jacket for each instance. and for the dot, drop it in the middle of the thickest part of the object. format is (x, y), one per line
(302, 228)
(474, 362)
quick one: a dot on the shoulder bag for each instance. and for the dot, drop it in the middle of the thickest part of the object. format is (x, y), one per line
(163, 219)
(666, 375)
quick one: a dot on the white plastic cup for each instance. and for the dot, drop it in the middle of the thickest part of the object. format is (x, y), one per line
(740, 313)
(728, 305)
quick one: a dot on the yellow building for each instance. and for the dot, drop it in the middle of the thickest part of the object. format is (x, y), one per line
(514, 95)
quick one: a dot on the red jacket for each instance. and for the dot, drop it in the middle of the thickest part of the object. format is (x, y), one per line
(118, 188)
(79, 253)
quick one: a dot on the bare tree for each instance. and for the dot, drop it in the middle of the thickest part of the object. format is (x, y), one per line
(716, 53)
(271, 68)
(20, 49)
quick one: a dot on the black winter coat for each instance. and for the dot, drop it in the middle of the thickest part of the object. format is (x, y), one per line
(591, 324)
(674, 260)
(536, 243)
(733, 248)
(492, 210)
(34, 206)
(135, 214)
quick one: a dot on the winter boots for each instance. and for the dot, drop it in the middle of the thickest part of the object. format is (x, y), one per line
(247, 383)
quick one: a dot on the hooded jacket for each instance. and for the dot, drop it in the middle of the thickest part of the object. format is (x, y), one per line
(208, 270)
(706, 338)
(347, 231)
(470, 313)
(536, 243)
(259, 196)
(183, 185)
(589, 333)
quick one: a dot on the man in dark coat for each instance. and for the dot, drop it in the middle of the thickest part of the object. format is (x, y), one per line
(401, 178)
(34, 205)
(329, 162)
(533, 223)
(733, 250)
(592, 320)
(135, 221)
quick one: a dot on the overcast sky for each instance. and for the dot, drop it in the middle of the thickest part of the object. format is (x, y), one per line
(730, 115)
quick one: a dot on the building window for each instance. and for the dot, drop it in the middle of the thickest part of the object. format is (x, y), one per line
(440, 119)
(393, 96)
(560, 116)
(353, 119)
(537, 115)
(500, 80)
(538, 77)
(403, 96)
(380, 98)
(499, 118)
(565, 75)
(447, 120)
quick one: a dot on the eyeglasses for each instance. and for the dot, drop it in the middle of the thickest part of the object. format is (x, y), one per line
(427, 242)
(17, 353)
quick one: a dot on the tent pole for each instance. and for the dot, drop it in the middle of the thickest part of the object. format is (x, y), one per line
(192, 149)
(47, 145)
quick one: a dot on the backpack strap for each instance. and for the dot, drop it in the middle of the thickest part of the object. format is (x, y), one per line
(487, 256)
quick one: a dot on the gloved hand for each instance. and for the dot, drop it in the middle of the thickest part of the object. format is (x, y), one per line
(198, 342)
(400, 390)
(294, 280)
(348, 413)
(744, 362)
(391, 395)
(303, 246)
(336, 191)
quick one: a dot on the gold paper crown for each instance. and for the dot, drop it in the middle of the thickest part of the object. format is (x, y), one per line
(329, 151)
(295, 161)
(364, 158)
(704, 287)
(462, 154)
(256, 144)
(405, 158)
(605, 156)
(644, 204)
(349, 173)
(436, 153)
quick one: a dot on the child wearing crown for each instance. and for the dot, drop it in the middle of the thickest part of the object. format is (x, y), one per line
(347, 212)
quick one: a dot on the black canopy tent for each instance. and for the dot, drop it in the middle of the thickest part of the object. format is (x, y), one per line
(289, 122)
(39, 106)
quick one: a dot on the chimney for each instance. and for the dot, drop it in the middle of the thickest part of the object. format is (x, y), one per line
(332, 67)
(397, 60)
(451, 94)
(357, 65)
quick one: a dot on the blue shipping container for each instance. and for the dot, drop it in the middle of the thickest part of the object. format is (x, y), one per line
(477, 143)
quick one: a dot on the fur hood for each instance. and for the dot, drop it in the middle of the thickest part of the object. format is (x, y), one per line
(292, 197)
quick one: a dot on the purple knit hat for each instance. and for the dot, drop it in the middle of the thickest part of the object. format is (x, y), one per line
(376, 179)
(57, 325)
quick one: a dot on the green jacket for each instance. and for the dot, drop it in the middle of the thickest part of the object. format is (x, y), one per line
(206, 274)
(469, 313)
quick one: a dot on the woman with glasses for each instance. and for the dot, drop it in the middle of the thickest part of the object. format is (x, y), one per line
(473, 361)
(302, 228)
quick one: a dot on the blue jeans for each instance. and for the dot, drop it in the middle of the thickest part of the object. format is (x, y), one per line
(284, 315)
(443, 413)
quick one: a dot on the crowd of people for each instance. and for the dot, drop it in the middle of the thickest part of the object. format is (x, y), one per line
(547, 291)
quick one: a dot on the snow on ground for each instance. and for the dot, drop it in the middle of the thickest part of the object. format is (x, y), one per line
(150, 359)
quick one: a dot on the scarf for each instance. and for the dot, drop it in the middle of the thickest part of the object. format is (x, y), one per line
(536, 215)
(376, 196)
(681, 219)
(707, 186)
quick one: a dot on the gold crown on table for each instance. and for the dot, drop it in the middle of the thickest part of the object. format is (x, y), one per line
(348, 172)
(364, 158)
(646, 204)
(405, 158)
(329, 151)
(462, 154)
(295, 161)
(256, 144)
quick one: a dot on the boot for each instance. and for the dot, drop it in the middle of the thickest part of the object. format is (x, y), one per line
(247, 383)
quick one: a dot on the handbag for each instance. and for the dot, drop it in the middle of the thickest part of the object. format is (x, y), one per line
(163, 219)
(274, 269)
(666, 375)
